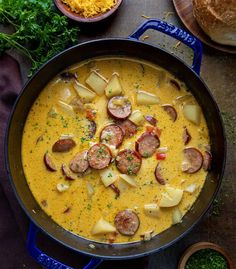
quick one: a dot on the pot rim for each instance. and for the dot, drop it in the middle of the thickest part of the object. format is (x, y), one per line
(144, 253)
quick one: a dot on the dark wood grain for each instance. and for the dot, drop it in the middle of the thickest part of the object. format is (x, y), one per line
(184, 9)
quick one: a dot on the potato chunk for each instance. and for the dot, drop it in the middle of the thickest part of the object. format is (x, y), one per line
(152, 210)
(176, 216)
(102, 227)
(130, 180)
(108, 177)
(171, 197)
(137, 117)
(84, 93)
(66, 108)
(113, 87)
(97, 82)
(146, 98)
(192, 113)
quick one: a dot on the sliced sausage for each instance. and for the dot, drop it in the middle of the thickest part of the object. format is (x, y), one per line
(92, 127)
(115, 189)
(79, 164)
(119, 107)
(171, 111)
(128, 161)
(99, 156)
(66, 76)
(147, 144)
(49, 163)
(155, 130)
(63, 145)
(175, 84)
(158, 175)
(193, 160)
(128, 127)
(151, 120)
(67, 173)
(112, 135)
(186, 136)
(207, 159)
(127, 222)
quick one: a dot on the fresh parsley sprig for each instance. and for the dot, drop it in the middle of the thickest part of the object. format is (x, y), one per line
(39, 30)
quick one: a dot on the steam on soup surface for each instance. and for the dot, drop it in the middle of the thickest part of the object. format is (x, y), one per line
(115, 150)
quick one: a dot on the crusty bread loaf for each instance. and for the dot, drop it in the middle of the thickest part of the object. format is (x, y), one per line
(217, 18)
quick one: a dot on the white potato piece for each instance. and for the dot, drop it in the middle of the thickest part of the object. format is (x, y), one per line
(171, 197)
(176, 216)
(152, 210)
(67, 136)
(147, 236)
(122, 185)
(108, 177)
(112, 148)
(61, 187)
(113, 87)
(65, 94)
(146, 98)
(97, 82)
(137, 117)
(192, 113)
(130, 180)
(84, 93)
(66, 108)
(102, 227)
(90, 189)
(191, 188)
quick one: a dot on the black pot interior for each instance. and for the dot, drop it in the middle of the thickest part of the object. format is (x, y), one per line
(111, 47)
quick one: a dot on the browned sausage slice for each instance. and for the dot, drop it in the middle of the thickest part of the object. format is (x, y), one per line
(115, 189)
(175, 84)
(158, 175)
(147, 144)
(128, 127)
(63, 145)
(151, 120)
(171, 111)
(66, 172)
(79, 164)
(49, 163)
(207, 158)
(192, 160)
(66, 76)
(186, 136)
(128, 161)
(119, 107)
(112, 135)
(127, 222)
(99, 156)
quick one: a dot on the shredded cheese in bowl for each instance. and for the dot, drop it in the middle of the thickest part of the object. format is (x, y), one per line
(90, 8)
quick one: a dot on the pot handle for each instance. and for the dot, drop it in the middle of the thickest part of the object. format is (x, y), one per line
(47, 261)
(171, 30)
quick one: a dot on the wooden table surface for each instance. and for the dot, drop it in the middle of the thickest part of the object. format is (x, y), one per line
(219, 72)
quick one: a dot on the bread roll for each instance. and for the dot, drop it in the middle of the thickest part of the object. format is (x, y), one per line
(217, 18)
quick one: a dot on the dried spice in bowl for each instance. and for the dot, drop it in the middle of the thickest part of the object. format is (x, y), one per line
(206, 259)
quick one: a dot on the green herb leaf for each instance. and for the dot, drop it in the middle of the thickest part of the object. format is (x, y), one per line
(40, 31)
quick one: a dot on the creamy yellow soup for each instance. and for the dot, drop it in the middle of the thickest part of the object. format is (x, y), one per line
(75, 207)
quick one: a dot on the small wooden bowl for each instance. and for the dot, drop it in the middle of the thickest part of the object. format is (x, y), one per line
(76, 17)
(203, 245)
